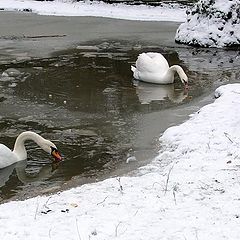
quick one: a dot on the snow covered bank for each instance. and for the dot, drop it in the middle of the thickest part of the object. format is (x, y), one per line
(211, 23)
(188, 192)
(97, 9)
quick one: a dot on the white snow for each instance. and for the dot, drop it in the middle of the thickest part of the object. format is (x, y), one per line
(211, 23)
(172, 12)
(190, 191)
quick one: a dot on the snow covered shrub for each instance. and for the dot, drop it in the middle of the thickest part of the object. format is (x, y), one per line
(211, 23)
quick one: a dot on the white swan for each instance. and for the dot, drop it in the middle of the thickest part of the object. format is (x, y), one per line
(153, 68)
(19, 153)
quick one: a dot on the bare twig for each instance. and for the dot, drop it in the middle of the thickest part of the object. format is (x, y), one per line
(166, 185)
(175, 188)
(78, 230)
(174, 196)
(116, 229)
(236, 92)
(35, 216)
(49, 233)
(103, 200)
(227, 136)
(135, 213)
(45, 204)
(208, 144)
(155, 183)
(196, 232)
(120, 186)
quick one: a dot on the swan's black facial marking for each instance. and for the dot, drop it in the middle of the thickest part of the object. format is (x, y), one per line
(53, 148)
(185, 82)
(56, 154)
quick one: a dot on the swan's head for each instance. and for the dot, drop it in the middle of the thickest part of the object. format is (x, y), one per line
(56, 154)
(51, 148)
(182, 75)
(184, 79)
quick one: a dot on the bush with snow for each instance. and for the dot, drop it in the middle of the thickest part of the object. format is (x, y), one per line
(211, 23)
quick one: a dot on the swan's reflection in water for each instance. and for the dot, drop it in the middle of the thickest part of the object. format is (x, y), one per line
(44, 173)
(147, 92)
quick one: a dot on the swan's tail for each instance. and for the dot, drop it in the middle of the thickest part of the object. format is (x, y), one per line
(133, 68)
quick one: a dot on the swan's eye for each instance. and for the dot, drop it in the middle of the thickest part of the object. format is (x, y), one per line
(56, 154)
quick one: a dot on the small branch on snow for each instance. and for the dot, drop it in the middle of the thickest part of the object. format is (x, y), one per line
(156, 183)
(35, 216)
(49, 233)
(166, 185)
(78, 230)
(45, 204)
(228, 137)
(236, 92)
(196, 232)
(116, 229)
(120, 186)
(135, 213)
(174, 196)
(175, 189)
(103, 200)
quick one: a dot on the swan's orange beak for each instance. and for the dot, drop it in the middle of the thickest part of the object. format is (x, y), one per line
(56, 154)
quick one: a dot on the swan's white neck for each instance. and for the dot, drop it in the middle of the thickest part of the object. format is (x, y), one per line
(178, 69)
(19, 148)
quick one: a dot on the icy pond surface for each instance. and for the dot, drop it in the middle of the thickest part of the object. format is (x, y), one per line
(86, 101)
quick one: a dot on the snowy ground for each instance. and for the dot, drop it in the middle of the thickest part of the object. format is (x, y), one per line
(98, 9)
(190, 191)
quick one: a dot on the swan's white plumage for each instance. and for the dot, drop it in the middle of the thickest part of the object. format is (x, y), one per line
(19, 153)
(152, 62)
(7, 157)
(153, 68)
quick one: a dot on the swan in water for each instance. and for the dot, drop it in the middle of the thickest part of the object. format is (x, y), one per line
(153, 68)
(19, 153)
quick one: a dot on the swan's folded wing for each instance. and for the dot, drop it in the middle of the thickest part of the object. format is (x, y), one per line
(148, 63)
(158, 59)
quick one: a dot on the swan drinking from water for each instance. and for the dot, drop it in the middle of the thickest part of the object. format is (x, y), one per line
(19, 153)
(153, 68)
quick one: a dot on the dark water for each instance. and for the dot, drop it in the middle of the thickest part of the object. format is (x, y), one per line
(86, 101)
